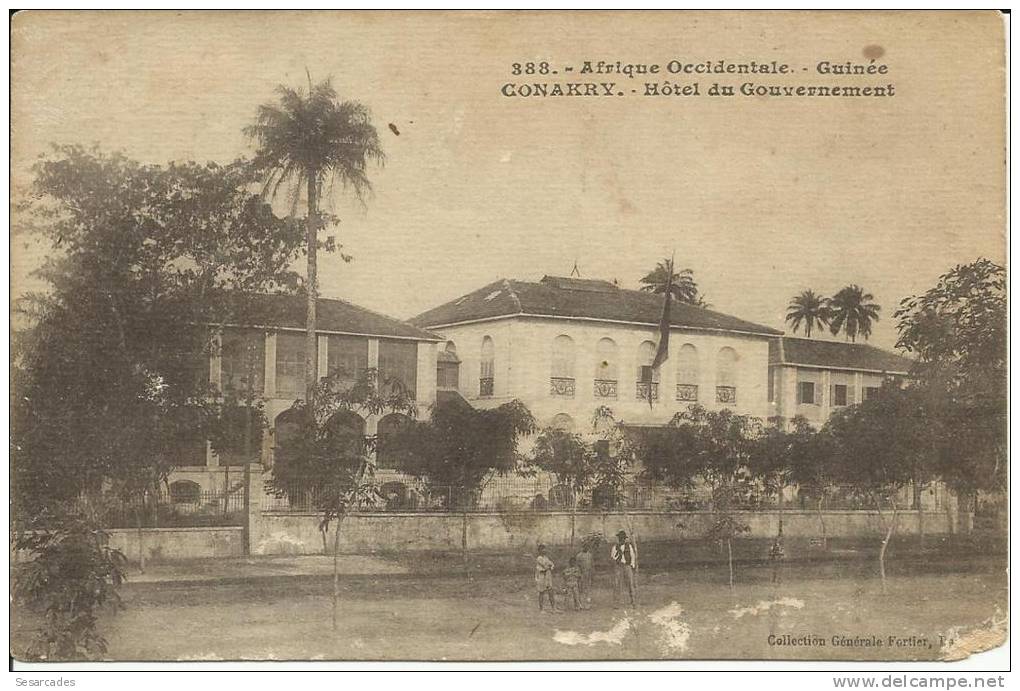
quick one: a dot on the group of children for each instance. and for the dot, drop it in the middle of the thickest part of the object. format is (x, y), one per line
(577, 577)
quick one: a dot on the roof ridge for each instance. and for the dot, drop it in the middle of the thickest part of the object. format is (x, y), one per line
(862, 344)
(394, 320)
(368, 309)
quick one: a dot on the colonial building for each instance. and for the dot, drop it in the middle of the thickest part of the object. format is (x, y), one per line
(813, 378)
(566, 346)
(264, 359)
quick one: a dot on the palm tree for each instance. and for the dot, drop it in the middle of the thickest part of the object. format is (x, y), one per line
(810, 309)
(852, 312)
(683, 289)
(306, 140)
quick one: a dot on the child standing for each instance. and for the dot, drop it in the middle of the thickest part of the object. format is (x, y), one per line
(584, 563)
(777, 553)
(572, 576)
(543, 579)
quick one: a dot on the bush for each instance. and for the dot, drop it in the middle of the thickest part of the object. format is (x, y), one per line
(73, 574)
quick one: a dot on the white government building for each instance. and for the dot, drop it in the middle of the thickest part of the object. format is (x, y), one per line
(562, 346)
(566, 346)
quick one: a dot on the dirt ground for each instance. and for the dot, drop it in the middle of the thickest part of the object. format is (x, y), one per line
(818, 611)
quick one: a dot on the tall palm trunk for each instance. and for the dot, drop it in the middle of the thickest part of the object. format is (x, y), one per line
(312, 241)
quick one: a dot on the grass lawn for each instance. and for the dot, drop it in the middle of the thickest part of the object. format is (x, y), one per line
(682, 613)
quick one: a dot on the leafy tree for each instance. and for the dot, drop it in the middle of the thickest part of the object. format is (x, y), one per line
(795, 455)
(331, 461)
(724, 449)
(312, 140)
(459, 447)
(809, 309)
(715, 447)
(613, 455)
(112, 381)
(568, 457)
(852, 312)
(683, 287)
(880, 446)
(594, 473)
(957, 330)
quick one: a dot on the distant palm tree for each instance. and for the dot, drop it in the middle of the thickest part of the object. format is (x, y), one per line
(307, 139)
(852, 312)
(683, 289)
(809, 309)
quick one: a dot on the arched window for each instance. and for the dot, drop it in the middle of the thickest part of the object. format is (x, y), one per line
(647, 378)
(487, 368)
(448, 368)
(606, 370)
(562, 422)
(385, 454)
(286, 431)
(726, 376)
(687, 373)
(346, 434)
(561, 380)
(185, 492)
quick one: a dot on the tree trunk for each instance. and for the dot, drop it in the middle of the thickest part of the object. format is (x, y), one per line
(312, 240)
(463, 540)
(821, 519)
(336, 542)
(885, 542)
(226, 487)
(336, 570)
(573, 517)
(141, 538)
(729, 553)
(919, 505)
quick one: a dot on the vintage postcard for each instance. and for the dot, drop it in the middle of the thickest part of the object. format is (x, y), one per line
(508, 336)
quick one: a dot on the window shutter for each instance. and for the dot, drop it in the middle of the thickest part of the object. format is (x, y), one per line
(851, 394)
(832, 395)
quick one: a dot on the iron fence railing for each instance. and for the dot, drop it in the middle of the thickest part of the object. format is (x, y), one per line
(171, 509)
(544, 493)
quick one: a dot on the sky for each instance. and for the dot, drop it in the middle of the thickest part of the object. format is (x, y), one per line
(761, 198)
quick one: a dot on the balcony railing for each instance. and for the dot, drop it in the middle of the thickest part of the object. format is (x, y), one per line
(725, 394)
(485, 386)
(562, 387)
(687, 392)
(644, 389)
(605, 388)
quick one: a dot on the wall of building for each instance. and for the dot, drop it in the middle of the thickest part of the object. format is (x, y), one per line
(468, 340)
(215, 477)
(787, 377)
(523, 369)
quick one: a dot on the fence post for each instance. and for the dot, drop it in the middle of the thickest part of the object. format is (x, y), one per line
(253, 491)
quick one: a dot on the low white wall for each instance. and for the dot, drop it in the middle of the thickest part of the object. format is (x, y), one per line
(171, 544)
(291, 533)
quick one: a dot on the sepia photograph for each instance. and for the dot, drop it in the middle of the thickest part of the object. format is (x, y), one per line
(508, 337)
